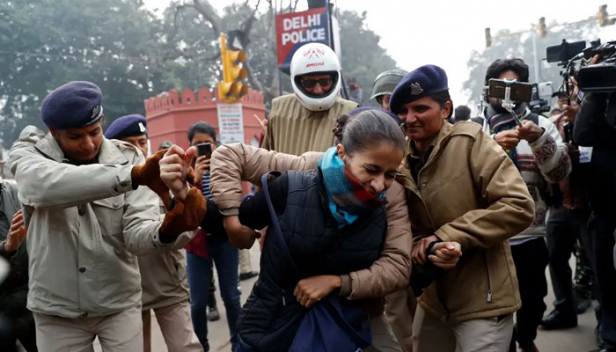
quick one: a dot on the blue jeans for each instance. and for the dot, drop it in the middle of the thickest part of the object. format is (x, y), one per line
(225, 257)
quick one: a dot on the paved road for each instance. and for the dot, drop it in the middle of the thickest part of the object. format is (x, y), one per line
(580, 339)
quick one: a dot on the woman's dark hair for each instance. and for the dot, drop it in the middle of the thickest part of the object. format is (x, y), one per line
(442, 98)
(201, 127)
(499, 66)
(367, 128)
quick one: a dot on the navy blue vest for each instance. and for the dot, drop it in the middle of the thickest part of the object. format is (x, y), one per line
(271, 316)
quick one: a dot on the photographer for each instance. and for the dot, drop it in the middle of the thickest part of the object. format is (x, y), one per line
(568, 224)
(597, 138)
(205, 251)
(541, 157)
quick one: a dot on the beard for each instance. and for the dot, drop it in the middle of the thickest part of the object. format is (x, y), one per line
(497, 106)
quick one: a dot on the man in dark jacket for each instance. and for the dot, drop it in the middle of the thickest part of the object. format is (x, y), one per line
(462, 113)
(568, 224)
(595, 132)
(16, 321)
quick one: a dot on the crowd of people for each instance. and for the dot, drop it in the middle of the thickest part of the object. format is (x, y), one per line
(405, 227)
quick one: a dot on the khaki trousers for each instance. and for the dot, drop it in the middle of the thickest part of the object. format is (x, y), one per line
(119, 332)
(245, 262)
(176, 326)
(383, 340)
(478, 335)
(399, 309)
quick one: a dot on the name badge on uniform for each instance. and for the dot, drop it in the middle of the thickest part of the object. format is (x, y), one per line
(585, 155)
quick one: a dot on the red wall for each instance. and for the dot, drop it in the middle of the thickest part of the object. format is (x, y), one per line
(169, 115)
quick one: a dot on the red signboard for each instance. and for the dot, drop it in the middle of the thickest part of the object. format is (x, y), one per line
(296, 29)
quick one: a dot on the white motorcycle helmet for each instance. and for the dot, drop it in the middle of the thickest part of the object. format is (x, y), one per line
(315, 58)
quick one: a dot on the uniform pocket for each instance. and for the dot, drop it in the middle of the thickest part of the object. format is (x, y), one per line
(109, 213)
(178, 269)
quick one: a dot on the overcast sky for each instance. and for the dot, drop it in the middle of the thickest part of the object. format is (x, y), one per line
(444, 32)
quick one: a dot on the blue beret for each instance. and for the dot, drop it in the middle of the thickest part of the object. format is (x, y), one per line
(127, 126)
(420, 83)
(73, 105)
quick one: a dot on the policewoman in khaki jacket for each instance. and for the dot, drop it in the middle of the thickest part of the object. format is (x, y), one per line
(163, 274)
(461, 187)
(87, 217)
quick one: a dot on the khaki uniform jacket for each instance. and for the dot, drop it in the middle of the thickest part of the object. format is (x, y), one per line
(293, 129)
(470, 192)
(85, 223)
(163, 274)
(390, 272)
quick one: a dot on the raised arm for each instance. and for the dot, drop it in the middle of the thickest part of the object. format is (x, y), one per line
(141, 222)
(234, 163)
(44, 182)
(551, 153)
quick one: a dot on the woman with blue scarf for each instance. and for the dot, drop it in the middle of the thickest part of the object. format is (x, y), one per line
(332, 222)
(333, 233)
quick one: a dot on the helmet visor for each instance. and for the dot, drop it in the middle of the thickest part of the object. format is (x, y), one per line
(308, 85)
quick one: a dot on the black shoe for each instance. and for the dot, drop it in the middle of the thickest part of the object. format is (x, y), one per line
(212, 314)
(530, 348)
(604, 350)
(248, 275)
(598, 337)
(557, 320)
(582, 306)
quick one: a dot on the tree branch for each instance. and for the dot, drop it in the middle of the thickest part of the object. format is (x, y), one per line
(247, 25)
(207, 16)
(251, 77)
(214, 57)
(178, 10)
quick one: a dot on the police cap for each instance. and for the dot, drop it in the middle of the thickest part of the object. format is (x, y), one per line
(73, 105)
(420, 83)
(127, 126)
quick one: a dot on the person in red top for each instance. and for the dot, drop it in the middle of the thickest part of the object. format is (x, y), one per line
(206, 250)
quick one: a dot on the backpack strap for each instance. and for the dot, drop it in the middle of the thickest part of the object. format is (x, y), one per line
(277, 231)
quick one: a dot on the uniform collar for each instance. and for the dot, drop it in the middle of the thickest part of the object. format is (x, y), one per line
(109, 153)
(50, 148)
(436, 142)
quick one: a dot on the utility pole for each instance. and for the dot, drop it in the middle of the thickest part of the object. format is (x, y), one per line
(536, 59)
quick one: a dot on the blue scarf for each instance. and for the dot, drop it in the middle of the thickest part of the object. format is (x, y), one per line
(347, 197)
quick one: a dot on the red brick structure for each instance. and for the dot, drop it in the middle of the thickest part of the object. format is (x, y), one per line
(170, 114)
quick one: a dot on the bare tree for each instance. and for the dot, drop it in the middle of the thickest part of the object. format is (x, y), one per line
(211, 19)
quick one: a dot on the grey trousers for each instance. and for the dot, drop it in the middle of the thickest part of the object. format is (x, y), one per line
(176, 326)
(478, 335)
(120, 332)
(383, 339)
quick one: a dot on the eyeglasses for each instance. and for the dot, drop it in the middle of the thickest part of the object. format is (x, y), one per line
(311, 83)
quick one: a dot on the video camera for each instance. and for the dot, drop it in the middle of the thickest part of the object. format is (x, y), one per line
(593, 67)
(538, 104)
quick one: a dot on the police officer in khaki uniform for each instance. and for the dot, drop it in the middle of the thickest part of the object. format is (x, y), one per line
(87, 217)
(399, 306)
(163, 275)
